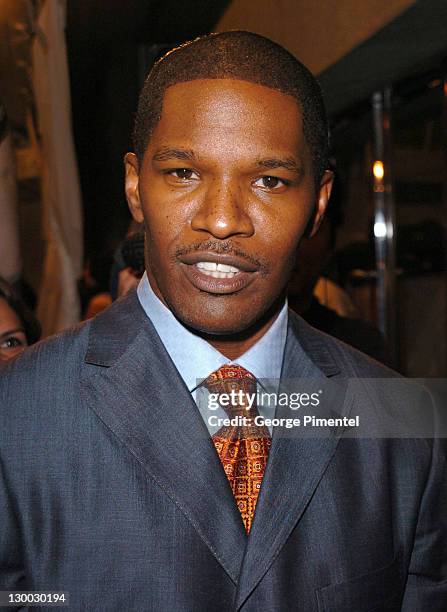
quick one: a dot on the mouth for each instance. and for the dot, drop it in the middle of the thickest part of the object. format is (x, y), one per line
(218, 274)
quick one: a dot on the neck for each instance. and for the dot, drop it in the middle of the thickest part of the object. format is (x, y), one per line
(235, 345)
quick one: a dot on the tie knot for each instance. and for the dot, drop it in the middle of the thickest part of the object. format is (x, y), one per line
(234, 381)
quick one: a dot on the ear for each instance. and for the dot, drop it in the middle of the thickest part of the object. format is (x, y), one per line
(131, 186)
(323, 195)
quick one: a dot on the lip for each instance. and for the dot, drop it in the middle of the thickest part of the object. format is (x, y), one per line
(218, 286)
(230, 260)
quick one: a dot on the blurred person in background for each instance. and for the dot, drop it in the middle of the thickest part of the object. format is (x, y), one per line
(323, 303)
(18, 326)
(94, 285)
(313, 257)
(128, 262)
(105, 278)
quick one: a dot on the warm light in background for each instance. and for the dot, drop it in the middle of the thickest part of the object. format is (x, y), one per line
(434, 83)
(378, 169)
(379, 229)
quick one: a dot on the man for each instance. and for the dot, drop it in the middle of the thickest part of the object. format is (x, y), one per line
(115, 489)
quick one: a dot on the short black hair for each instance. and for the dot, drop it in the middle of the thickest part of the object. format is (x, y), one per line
(31, 325)
(236, 55)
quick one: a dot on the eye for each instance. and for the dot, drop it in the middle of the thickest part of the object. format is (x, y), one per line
(12, 342)
(272, 183)
(183, 174)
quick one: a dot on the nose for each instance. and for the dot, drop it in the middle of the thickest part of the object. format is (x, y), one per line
(223, 211)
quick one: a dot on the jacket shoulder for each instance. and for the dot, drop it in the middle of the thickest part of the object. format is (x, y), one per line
(347, 360)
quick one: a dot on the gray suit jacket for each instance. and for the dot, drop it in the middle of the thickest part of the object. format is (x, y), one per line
(109, 490)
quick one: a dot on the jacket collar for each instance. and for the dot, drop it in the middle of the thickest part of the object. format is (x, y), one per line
(117, 327)
(314, 343)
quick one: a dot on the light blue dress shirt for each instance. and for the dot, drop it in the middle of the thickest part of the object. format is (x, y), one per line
(195, 358)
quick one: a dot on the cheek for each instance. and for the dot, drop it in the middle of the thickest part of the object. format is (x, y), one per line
(284, 244)
(6, 354)
(165, 218)
(286, 222)
(162, 240)
(161, 230)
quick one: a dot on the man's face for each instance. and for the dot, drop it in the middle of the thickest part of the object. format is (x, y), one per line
(226, 191)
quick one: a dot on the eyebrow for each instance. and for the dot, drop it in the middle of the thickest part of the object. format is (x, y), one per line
(167, 153)
(289, 163)
(11, 331)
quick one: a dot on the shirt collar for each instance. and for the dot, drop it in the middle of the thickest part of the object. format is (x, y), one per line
(195, 358)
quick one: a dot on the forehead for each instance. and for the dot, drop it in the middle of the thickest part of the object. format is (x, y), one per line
(8, 317)
(229, 113)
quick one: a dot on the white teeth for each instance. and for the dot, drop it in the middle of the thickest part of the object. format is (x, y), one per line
(225, 268)
(207, 265)
(218, 274)
(217, 270)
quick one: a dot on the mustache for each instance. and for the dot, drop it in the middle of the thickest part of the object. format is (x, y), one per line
(226, 247)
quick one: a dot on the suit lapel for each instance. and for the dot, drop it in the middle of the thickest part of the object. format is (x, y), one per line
(139, 395)
(295, 466)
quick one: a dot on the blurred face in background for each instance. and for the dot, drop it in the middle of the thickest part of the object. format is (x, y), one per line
(12, 334)
(313, 256)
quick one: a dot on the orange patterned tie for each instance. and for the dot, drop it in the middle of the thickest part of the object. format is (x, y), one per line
(243, 448)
